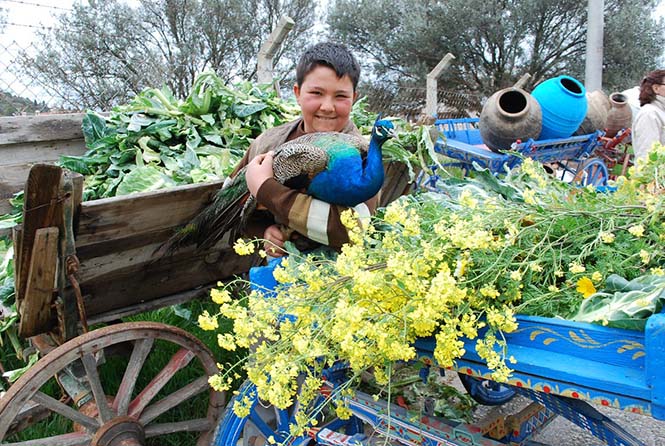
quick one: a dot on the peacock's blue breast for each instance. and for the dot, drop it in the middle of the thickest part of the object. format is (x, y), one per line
(344, 182)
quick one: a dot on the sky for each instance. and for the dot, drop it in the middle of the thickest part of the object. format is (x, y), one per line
(27, 15)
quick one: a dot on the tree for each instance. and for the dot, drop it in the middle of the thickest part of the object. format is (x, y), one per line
(103, 53)
(495, 41)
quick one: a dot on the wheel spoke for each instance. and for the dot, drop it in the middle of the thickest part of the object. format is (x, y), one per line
(71, 439)
(177, 362)
(141, 350)
(169, 402)
(262, 426)
(60, 408)
(197, 425)
(97, 390)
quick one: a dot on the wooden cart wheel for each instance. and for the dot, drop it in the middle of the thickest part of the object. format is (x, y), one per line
(129, 415)
(592, 172)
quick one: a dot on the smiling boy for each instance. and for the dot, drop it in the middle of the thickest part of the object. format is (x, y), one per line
(326, 79)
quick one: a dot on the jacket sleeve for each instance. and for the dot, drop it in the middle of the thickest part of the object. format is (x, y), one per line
(647, 130)
(315, 219)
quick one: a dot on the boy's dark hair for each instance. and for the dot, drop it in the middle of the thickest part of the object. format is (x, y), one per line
(332, 55)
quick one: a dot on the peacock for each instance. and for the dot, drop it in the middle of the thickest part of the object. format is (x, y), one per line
(334, 167)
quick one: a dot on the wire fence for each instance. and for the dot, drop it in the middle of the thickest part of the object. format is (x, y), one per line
(409, 102)
(22, 94)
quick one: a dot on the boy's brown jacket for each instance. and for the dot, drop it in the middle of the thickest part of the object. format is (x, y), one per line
(316, 222)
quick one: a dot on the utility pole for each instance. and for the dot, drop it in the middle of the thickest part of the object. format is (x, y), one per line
(593, 77)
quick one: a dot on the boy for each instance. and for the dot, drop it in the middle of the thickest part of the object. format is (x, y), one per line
(326, 80)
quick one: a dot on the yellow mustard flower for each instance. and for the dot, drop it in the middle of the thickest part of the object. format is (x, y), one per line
(220, 296)
(529, 196)
(466, 199)
(207, 322)
(576, 267)
(243, 248)
(585, 287)
(637, 230)
(607, 237)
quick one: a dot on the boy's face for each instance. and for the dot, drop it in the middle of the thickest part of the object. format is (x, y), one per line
(325, 100)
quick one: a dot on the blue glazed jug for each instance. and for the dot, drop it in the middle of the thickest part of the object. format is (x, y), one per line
(563, 104)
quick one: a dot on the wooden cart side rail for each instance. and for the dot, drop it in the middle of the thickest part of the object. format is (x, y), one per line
(117, 241)
(26, 140)
(135, 282)
(112, 251)
(118, 219)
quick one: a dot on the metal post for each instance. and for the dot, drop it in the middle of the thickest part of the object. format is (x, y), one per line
(593, 79)
(269, 48)
(431, 98)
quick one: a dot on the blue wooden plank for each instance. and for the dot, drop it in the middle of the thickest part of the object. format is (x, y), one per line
(463, 129)
(571, 371)
(654, 335)
(588, 341)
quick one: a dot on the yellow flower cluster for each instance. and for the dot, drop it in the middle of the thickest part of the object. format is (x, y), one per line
(441, 266)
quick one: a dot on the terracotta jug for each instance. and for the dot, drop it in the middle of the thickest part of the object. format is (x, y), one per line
(508, 115)
(620, 115)
(596, 114)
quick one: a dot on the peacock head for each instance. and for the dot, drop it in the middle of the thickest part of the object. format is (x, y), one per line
(383, 130)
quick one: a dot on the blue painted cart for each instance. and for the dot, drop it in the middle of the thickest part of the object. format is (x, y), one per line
(562, 366)
(572, 157)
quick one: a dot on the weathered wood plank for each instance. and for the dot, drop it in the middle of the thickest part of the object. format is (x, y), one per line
(42, 208)
(36, 304)
(120, 218)
(71, 308)
(110, 288)
(161, 302)
(39, 152)
(41, 127)
(17, 159)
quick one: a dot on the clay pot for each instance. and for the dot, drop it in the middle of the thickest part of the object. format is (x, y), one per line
(620, 115)
(563, 103)
(508, 115)
(596, 114)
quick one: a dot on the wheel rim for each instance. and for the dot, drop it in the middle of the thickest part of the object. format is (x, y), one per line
(126, 417)
(265, 421)
(593, 172)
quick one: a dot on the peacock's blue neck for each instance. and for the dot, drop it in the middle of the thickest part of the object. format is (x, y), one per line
(373, 166)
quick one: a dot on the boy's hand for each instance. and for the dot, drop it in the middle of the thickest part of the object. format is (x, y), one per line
(275, 239)
(258, 170)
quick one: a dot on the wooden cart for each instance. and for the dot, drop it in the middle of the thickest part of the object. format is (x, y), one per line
(83, 264)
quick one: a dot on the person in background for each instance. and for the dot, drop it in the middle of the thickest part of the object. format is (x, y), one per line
(327, 75)
(649, 125)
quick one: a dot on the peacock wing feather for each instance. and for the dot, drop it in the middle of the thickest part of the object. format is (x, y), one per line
(210, 225)
(298, 161)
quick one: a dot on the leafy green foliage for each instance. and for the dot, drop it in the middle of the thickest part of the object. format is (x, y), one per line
(624, 304)
(156, 141)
